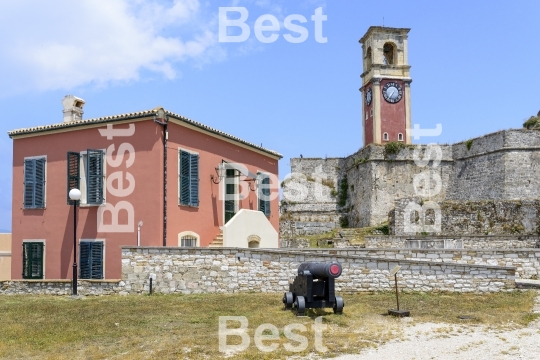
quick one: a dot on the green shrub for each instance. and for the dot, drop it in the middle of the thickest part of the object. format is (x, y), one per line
(384, 228)
(532, 123)
(468, 144)
(393, 147)
(343, 194)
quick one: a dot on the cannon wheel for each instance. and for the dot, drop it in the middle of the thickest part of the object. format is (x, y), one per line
(338, 305)
(300, 305)
(288, 300)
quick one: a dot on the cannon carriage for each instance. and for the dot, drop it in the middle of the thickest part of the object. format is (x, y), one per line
(314, 288)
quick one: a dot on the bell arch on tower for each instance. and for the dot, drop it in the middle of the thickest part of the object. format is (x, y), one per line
(368, 58)
(389, 53)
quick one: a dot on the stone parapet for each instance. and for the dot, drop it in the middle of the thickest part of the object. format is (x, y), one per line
(229, 270)
(487, 242)
(526, 261)
(60, 287)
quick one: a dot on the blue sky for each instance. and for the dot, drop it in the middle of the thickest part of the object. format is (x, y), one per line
(474, 68)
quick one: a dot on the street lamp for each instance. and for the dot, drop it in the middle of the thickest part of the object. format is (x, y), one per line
(75, 196)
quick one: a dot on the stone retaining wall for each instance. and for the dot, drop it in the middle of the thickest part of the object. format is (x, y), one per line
(486, 242)
(230, 270)
(195, 270)
(60, 287)
(526, 261)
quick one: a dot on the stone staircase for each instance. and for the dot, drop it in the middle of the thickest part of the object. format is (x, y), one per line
(218, 241)
(346, 237)
(351, 237)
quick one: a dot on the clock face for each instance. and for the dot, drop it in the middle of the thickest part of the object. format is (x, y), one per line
(392, 92)
(369, 96)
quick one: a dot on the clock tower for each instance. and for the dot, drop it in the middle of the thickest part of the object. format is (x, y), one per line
(386, 105)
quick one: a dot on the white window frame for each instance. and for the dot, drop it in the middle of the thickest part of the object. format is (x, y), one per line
(400, 137)
(83, 156)
(385, 136)
(79, 255)
(44, 187)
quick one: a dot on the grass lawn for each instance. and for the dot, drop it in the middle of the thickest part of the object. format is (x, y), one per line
(186, 326)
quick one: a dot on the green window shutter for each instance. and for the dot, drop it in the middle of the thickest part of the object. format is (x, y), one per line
(230, 191)
(262, 203)
(184, 178)
(264, 194)
(29, 177)
(94, 177)
(91, 260)
(33, 260)
(96, 262)
(73, 173)
(26, 260)
(194, 180)
(85, 270)
(39, 184)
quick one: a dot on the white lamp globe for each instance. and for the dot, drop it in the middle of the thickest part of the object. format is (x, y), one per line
(75, 194)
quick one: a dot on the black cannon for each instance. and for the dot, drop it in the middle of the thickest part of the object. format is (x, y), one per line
(314, 288)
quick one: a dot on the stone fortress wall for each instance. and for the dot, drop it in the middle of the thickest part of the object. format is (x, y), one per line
(502, 168)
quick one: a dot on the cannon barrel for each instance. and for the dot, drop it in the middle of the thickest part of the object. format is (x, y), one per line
(321, 270)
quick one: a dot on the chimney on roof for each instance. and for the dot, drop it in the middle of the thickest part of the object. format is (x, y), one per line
(73, 108)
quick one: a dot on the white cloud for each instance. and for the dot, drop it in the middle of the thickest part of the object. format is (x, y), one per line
(63, 44)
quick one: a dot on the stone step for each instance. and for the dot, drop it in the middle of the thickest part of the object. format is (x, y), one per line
(527, 284)
(218, 240)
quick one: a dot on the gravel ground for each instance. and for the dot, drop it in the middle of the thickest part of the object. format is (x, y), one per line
(446, 341)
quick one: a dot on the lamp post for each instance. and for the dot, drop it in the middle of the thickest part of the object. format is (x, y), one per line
(75, 196)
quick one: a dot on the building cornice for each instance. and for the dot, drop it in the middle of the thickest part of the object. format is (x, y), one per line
(129, 117)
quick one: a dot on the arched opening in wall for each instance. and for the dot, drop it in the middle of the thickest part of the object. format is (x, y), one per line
(253, 244)
(415, 217)
(188, 239)
(429, 217)
(400, 137)
(389, 50)
(385, 136)
(254, 241)
(369, 58)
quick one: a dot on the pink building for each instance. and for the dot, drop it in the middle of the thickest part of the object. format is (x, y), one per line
(152, 177)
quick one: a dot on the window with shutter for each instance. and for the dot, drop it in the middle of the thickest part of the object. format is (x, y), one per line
(231, 189)
(188, 178)
(29, 176)
(86, 172)
(39, 184)
(264, 194)
(34, 183)
(32, 260)
(194, 180)
(73, 173)
(91, 260)
(94, 177)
